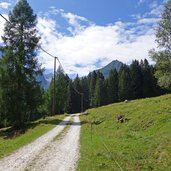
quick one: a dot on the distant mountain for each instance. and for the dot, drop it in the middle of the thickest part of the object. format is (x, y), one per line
(113, 65)
(45, 80)
(1, 54)
(48, 77)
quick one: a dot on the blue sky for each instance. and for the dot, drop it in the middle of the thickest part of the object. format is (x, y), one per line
(101, 12)
(88, 34)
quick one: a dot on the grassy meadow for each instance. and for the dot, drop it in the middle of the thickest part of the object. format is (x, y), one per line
(11, 141)
(141, 143)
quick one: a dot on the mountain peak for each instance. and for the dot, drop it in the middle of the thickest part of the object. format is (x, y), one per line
(115, 64)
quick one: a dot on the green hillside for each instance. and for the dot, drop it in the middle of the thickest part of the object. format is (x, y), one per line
(141, 143)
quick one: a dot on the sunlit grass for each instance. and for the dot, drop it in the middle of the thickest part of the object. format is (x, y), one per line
(141, 143)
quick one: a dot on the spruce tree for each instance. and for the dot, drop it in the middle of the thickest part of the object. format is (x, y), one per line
(149, 83)
(112, 87)
(100, 91)
(19, 66)
(61, 91)
(76, 86)
(48, 99)
(93, 78)
(136, 80)
(124, 85)
(85, 91)
(70, 92)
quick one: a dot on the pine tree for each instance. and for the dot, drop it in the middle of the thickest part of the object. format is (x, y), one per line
(136, 80)
(61, 91)
(92, 84)
(76, 86)
(163, 57)
(70, 92)
(85, 91)
(100, 91)
(148, 79)
(48, 100)
(112, 87)
(19, 66)
(61, 94)
(124, 85)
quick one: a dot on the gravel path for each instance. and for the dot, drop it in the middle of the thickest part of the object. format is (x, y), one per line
(47, 154)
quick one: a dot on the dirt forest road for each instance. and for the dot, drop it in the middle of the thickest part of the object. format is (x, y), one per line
(50, 152)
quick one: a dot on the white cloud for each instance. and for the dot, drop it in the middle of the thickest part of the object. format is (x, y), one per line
(148, 20)
(76, 22)
(55, 11)
(136, 16)
(94, 43)
(156, 11)
(141, 2)
(5, 5)
(73, 19)
(153, 4)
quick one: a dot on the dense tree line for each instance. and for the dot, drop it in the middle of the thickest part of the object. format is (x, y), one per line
(130, 82)
(23, 100)
(139, 80)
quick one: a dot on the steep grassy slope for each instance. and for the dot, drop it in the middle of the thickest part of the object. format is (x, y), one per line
(141, 143)
(10, 141)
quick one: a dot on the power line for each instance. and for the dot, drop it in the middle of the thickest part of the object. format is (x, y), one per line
(55, 58)
(81, 94)
(31, 42)
(61, 65)
(4, 18)
(47, 52)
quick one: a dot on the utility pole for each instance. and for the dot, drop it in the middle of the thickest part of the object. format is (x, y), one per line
(54, 87)
(54, 84)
